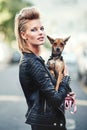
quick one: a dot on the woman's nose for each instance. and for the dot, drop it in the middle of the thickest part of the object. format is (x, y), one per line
(40, 32)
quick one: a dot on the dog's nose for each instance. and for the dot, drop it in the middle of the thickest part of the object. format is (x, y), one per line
(58, 49)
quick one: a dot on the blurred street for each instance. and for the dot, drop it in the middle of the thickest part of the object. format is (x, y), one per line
(61, 18)
(13, 106)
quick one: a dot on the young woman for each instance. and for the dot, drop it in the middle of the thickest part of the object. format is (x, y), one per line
(45, 105)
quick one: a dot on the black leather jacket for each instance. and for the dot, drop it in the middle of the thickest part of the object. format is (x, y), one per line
(44, 103)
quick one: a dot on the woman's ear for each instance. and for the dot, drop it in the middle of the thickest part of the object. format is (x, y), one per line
(23, 35)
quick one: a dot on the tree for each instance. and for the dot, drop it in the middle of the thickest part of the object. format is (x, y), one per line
(8, 9)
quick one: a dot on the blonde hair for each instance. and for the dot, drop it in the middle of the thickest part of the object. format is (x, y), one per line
(21, 19)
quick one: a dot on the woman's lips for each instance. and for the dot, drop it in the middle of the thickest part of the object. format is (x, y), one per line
(40, 38)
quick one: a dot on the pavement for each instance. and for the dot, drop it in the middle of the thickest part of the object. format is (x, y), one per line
(84, 87)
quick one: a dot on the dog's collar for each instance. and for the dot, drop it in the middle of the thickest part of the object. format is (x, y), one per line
(56, 57)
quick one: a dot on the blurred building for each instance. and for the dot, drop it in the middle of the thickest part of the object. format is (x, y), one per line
(64, 18)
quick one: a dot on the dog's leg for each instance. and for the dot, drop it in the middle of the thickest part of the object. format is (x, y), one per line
(59, 79)
(52, 73)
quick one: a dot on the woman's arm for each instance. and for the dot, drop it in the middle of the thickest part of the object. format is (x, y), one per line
(41, 78)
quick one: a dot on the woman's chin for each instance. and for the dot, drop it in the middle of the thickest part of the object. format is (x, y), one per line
(41, 43)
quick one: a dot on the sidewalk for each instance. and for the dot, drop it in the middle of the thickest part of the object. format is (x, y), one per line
(84, 87)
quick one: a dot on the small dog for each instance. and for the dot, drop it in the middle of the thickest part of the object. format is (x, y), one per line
(56, 63)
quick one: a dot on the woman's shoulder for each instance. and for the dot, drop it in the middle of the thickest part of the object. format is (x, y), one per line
(28, 57)
(31, 58)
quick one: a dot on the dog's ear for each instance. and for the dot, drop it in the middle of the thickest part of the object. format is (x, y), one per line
(66, 39)
(50, 39)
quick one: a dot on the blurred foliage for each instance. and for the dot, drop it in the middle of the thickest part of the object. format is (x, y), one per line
(47, 45)
(8, 10)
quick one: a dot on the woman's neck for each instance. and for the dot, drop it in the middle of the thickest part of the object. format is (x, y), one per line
(35, 49)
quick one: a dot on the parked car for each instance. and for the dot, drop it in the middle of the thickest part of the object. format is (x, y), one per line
(15, 57)
(82, 66)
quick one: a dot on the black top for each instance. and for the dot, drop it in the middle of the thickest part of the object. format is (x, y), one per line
(44, 103)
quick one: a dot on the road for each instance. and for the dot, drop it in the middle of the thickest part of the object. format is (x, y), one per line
(13, 104)
(77, 121)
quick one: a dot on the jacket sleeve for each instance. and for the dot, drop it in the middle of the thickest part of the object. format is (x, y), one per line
(41, 79)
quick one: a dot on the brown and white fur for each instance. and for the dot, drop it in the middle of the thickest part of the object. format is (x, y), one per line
(56, 63)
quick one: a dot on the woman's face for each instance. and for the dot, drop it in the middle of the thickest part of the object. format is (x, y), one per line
(35, 34)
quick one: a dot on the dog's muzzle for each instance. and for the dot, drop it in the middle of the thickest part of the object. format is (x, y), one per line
(58, 49)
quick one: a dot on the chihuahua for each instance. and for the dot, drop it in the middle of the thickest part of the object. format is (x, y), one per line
(56, 63)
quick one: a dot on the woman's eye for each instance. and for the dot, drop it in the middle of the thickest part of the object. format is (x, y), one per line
(36, 29)
(33, 30)
(42, 28)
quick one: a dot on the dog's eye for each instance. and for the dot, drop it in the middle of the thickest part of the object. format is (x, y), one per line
(55, 43)
(61, 44)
